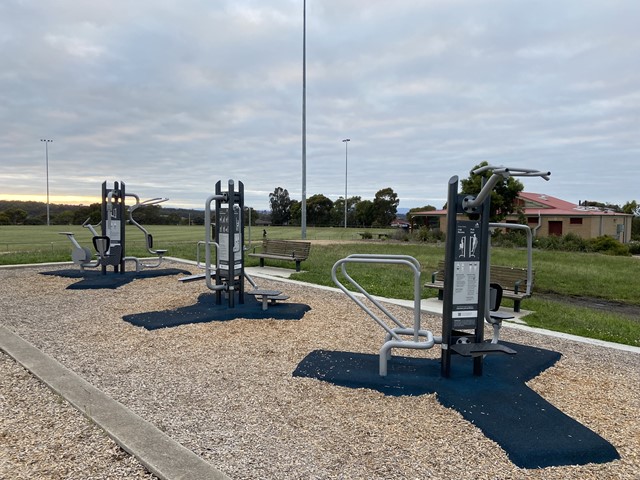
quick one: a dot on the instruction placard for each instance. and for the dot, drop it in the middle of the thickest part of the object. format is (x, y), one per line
(466, 275)
(224, 238)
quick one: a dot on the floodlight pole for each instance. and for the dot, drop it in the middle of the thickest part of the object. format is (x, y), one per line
(46, 157)
(346, 164)
(303, 210)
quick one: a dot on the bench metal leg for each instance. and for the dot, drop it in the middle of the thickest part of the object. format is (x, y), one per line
(516, 305)
(262, 262)
(297, 265)
(440, 294)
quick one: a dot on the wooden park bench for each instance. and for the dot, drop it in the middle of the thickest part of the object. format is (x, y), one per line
(513, 281)
(367, 235)
(283, 250)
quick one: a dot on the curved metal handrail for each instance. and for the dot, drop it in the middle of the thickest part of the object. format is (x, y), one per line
(407, 260)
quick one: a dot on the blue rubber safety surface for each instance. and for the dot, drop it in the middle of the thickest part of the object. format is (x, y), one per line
(206, 310)
(93, 279)
(533, 432)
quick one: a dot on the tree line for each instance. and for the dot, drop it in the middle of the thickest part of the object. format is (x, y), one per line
(322, 211)
(34, 213)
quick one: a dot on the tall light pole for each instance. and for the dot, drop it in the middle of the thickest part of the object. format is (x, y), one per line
(346, 169)
(303, 212)
(46, 157)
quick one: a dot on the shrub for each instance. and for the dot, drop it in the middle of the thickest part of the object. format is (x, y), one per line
(634, 248)
(549, 243)
(574, 243)
(427, 235)
(509, 239)
(400, 234)
(608, 246)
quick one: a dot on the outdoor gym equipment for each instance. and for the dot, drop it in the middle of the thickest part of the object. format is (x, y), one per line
(147, 236)
(469, 296)
(228, 274)
(395, 336)
(110, 244)
(467, 288)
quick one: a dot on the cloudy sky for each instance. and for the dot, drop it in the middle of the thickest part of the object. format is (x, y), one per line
(171, 96)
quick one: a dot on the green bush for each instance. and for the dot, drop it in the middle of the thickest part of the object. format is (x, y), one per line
(430, 236)
(509, 239)
(400, 234)
(608, 246)
(634, 248)
(549, 243)
(573, 243)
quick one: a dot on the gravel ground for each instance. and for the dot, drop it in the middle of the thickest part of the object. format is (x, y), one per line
(225, 391)
(42, 436)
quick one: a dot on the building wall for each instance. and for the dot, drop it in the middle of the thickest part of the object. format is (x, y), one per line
(591, 226)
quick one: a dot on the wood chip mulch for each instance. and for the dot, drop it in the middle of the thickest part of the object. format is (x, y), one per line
(225, 391)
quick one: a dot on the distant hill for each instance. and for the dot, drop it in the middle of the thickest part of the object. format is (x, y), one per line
(34, 213)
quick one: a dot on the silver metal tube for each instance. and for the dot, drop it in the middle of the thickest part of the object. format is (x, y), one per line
(382, 259)
(209, 242)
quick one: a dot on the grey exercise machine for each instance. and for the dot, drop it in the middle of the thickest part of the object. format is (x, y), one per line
(469, 296)
(109, 244)
(227, 275)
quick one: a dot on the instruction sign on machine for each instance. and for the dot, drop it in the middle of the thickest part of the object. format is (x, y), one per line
(466, 285)
(225, 237)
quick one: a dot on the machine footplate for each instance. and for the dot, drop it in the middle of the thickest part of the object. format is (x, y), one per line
(477, 349)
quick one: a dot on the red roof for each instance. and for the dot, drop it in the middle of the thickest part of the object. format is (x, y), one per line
(535, 203)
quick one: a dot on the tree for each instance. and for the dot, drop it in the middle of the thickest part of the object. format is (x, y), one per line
(93, 212)
(250, 215)
(64, 218)
(385, 205)
(365, 213)
(280, 206)
(16, 215)
(149, 215)
(503, 197)
(337, 214)
(631, 208)
(319, 210)
(296, 212)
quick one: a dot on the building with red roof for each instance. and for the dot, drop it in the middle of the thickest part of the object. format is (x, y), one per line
(547, 215)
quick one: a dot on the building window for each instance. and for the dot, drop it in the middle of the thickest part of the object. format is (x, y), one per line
(532, 219)
(575, 220)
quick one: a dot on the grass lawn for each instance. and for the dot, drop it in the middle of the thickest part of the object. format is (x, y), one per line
(611, 279)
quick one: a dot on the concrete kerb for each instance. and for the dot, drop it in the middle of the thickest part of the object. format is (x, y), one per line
(161, 455)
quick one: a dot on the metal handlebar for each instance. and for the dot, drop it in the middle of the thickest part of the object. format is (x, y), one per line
(499, 173)
(507, 172)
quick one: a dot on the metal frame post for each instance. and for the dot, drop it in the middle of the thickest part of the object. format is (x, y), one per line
(113, 210)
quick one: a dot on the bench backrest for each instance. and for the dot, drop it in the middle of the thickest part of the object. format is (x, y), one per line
(507, 277)
(287, 248)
